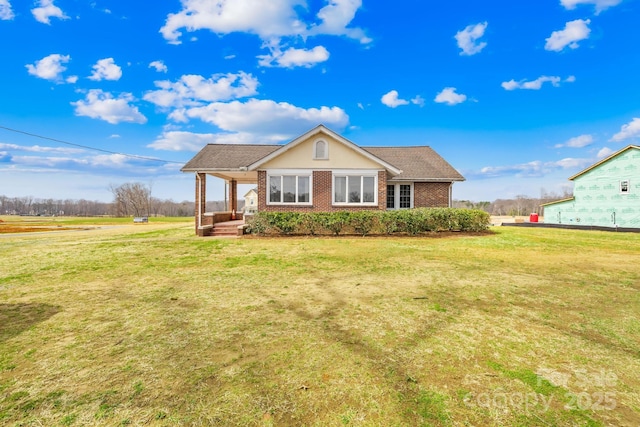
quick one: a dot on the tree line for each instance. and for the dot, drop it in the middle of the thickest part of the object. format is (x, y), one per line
(68, 207)
(135, 199)
(130, 199)
(520, 205)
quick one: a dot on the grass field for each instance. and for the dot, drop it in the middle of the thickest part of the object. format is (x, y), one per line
(150, 325)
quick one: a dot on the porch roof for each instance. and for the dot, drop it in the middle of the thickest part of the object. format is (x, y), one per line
(229, 161)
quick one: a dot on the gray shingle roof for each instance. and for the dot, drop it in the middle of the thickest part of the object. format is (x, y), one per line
(227, 156)
(416, 163)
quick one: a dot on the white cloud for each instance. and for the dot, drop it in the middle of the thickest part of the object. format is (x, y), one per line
(570, 163)
(267, 19)
(71, 79)
(98, 164)
(106, 69)
(573, 32)
(599, 4)
(159, 66)
(251, 122)
(537, 83)
(605, 152)
(50, 67)
(335, 18)
(6, 13)
(47, 10)
(534, 168)
(577, 142)
(102, 105)
(294, 57)
(450, 97)
(39, 149)
(273, 119)
(390, 99)
(183, 141)
(530, 168)
(418, 100)
(468, 39)
(629, 131)
(193, 90)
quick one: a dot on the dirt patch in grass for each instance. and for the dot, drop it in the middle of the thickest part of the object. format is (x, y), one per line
(30, 229)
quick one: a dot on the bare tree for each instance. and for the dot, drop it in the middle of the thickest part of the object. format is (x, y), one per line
(131, 199)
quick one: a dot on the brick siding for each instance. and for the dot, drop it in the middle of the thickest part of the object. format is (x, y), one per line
(431, 194)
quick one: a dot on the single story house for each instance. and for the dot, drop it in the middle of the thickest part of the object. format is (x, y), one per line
(606, 194)
(321, 171)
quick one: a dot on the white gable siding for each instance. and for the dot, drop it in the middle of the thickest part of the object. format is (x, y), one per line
(302, 157)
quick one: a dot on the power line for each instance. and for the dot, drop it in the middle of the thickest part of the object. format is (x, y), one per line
(87, 147)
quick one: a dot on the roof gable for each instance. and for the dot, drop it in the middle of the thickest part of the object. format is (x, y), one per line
(322, 130)
(605, 160)
(337, 156)
(251, 193)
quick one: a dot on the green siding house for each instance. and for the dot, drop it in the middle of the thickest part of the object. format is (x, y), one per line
(606, 194)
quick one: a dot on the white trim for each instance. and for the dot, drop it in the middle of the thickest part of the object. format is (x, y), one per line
(359, 173)
(356, 172)
(282, 174)
(396, 195)
(290, 171)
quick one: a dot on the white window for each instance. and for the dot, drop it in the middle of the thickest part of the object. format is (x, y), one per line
(624, 186)
(355, 189)
(320, 150)
(399, 196)
(289, 189)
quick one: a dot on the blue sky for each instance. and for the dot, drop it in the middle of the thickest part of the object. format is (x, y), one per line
(516, 95)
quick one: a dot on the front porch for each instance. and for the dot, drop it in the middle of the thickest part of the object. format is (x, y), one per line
(227, 223)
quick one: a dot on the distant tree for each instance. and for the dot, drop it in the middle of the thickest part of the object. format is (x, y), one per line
(131, 199)
(468, 204)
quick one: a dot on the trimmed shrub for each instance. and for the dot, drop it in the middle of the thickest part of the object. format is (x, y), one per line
(388, 221)
(406, 221)
(286, 222)
(363, 221)
(335, 222)
(258, 224)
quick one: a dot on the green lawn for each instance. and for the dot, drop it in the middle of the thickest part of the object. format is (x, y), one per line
(151, 325)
